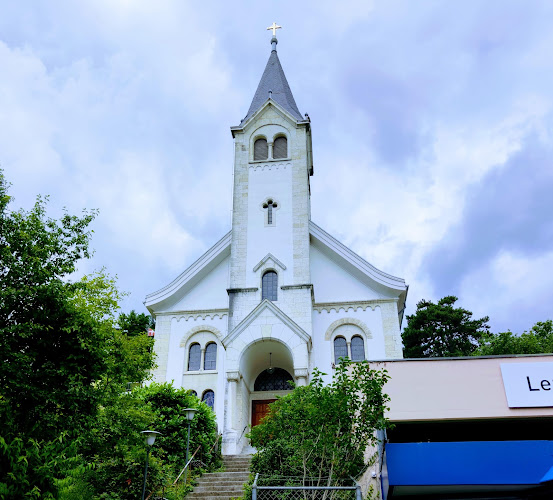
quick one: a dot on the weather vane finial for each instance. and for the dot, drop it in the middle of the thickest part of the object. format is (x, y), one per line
(274, 27)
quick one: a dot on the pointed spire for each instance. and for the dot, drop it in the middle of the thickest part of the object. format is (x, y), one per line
(274, 86)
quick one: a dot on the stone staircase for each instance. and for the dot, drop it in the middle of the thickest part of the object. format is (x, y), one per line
(223, 485)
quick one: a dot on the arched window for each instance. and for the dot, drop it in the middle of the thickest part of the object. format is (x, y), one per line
(260, 149)
(209, 398)
(194, 357)
(340, 349)
(280, 148)
(210, 361)
(357, 348)
(269, 285)
(275, 380)
(193, 392)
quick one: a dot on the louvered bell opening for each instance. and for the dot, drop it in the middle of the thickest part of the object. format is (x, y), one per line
(280, 148)
(260, 149)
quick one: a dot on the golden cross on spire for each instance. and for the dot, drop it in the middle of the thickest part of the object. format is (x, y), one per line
(274, 27)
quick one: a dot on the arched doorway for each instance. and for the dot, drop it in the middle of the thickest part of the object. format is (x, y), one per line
(269, 380)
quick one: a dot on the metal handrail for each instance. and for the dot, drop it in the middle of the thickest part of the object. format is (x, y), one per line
(192, 457)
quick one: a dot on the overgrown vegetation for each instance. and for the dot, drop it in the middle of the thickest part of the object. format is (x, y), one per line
(319, 434)
(70, 429)
(538, 340)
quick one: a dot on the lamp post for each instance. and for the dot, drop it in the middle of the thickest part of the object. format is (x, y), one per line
(189, 412)
(149, 439)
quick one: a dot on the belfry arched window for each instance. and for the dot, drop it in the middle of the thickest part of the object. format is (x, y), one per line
(260, 149)
(280, 148)
(209, 398)
(210, 361)
(269, 286)
(194, 355)
(340, 349)
(357, 348)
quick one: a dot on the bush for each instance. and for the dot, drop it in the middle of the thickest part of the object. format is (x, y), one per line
(119, 451)
(322, 431)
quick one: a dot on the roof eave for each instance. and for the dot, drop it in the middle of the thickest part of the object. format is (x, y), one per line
(269, 102)
(213, 254)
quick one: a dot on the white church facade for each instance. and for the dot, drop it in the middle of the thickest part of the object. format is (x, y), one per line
(276, 296)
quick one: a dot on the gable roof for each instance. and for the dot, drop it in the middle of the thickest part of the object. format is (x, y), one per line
(274, 80)
(359, 267)
(248, 320)
(190, 276)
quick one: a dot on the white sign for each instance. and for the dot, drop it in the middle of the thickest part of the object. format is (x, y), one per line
(528, 384)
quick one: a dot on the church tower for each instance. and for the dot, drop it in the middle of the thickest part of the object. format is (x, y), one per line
(271, 203)
(277, 296)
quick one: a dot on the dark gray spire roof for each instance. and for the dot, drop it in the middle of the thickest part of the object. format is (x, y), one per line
(274, 81)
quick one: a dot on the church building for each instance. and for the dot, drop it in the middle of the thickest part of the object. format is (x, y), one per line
(277, 296)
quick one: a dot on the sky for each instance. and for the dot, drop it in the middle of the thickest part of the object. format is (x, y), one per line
(432, 133)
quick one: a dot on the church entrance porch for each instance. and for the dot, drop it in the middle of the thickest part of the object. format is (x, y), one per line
(265, 369)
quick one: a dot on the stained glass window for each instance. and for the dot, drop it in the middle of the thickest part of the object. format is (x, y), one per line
(277, 380)
(340, 349)
(210, 361)
(194, 357)
(209, 398)
(357, 349)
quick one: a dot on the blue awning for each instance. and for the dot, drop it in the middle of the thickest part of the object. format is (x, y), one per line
(470, 463)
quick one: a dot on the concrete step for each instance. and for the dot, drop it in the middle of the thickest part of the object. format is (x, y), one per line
(224, 485)
(214, 496)
(215, 476)
(219, 484)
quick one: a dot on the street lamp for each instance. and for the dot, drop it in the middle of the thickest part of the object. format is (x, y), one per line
(149, 438)
(189, 412)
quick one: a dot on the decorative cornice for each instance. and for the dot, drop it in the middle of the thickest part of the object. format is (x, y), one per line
(265, 259)
(266, 304)
(301, 372)
(297, 287)
(241, 290)
(354, 305)
(200, 313)
(233, 376)
(269, 166)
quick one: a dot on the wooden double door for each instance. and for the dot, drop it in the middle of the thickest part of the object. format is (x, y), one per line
(260, 408)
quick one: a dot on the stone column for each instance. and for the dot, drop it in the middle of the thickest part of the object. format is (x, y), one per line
(202, 358)
(270, 153)
(349, 349)
(301, 375)
(230, 435)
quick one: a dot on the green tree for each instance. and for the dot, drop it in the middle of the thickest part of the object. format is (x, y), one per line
(442, 330)
(322, 431)
(62, 359)
(539, 340)
(134, 324)
(51, 350)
